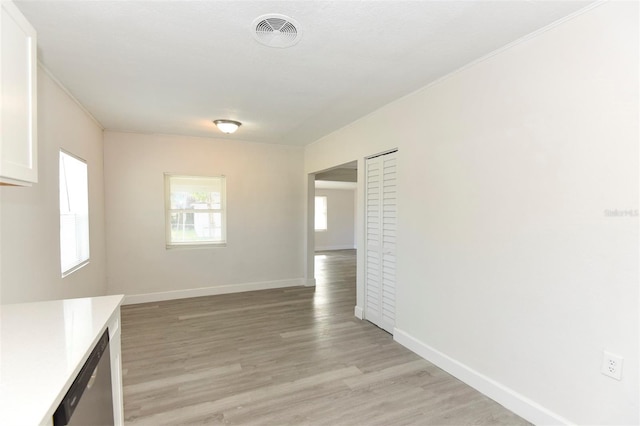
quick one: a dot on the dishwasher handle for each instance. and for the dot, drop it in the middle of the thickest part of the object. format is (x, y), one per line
(92, 379)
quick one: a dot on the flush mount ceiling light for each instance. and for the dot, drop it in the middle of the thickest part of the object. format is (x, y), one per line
(276, 30)
(227, 126)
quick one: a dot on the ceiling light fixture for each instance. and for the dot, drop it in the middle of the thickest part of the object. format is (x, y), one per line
(227, 126)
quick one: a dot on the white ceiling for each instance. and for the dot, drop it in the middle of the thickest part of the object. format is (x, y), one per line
(173, 66)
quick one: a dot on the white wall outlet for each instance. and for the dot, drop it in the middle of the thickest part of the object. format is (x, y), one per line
(612, 365)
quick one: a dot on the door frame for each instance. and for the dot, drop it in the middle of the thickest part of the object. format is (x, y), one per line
(310, 234)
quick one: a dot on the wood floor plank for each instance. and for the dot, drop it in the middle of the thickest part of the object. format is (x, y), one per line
(293, 356)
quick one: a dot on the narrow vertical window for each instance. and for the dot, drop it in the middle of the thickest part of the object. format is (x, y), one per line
(74, 213)
(321, 213)
(195, 210)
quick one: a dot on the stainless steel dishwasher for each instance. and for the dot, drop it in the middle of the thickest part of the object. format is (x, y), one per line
(89, 399)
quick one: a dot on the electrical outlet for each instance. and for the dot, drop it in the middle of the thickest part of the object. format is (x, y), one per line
(611, 365)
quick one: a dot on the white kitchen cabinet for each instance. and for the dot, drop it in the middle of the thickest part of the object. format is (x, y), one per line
(116, 368)
(18, 117)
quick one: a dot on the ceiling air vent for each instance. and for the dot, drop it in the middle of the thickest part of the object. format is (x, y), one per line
(275, 30)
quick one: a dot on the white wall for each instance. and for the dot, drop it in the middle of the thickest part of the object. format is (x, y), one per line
(340, 233)
(30, 216)
(510, 275)
(265, 216)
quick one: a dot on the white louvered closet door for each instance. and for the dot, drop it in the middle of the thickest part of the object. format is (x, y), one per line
(381, 232)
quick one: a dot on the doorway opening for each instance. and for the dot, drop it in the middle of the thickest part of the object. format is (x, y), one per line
(333, 204)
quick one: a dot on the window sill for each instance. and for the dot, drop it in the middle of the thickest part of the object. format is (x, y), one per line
(75, 268)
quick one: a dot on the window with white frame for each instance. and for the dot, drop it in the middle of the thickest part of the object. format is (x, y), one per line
(195, 210)
(321, 213)
(74, 213)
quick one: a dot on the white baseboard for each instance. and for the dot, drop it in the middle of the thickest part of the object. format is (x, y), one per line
(311, 282)
(358, 312)
(519, 404)
(338, 247)
(132, 299)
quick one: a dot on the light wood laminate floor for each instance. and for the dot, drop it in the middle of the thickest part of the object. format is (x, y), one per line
(294, 356)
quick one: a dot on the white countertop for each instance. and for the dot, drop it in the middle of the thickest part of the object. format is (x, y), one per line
(43, 346)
